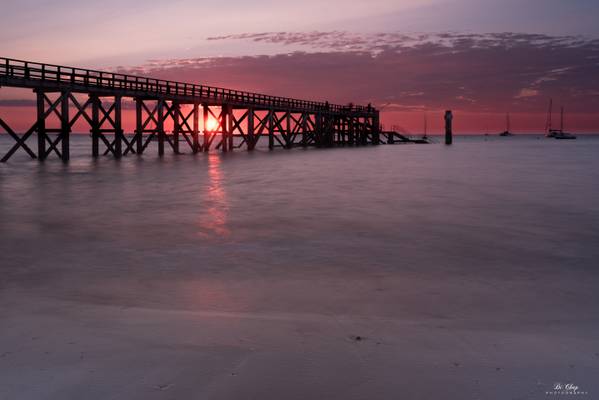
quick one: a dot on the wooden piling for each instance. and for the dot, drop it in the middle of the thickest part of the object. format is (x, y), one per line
(224, 114)
(250, 130)
(139, 128)
(160, 126)
(207, 133)
(196, 128)
(376, 128)
(95, 125)
(176, 108)
(65, 127)
(41, 126)
(118, 128)
(271, 129)
(448, 127)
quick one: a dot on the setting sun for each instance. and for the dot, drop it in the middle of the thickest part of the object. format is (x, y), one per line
(211, 124)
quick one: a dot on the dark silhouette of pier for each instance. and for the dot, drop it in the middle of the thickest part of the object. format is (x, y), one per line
(285, 122)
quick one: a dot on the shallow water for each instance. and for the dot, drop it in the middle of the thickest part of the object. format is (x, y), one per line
(491, 234)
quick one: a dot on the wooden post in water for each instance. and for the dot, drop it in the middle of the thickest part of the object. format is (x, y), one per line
(95, 125)
(160, 126)
(139, 127)
(196, 127)
(41, 126)
(376, 128)
(288, 134)
(224, 116)
(230, 127)
(448, 127)
(250, 129)
(271, 129)
(176, 107)
(305, 117)
(65, 126)
(207, 133)
(118, 128)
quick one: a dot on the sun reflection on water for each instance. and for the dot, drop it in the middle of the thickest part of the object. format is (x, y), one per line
(213, 221)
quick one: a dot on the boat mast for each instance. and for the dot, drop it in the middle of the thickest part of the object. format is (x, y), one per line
(561, 120)
(548, 122)
(425, 124)
(507, 122)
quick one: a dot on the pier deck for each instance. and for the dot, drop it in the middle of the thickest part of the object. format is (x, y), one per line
(202, 117)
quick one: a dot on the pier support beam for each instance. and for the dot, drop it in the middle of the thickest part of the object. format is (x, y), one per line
(118, 128)
(250, 130)
(139, 129)
(224, 128)
(206, 132)
(95, 125)
(376, 128)
(291, 127)
(304, 128)
(271, 129)
(176, 116)
(160, 126)
(196, 128)
(58, 107)
(230, 129)
(448, 127)
(41, 125)
(105, 119)
(351, 131)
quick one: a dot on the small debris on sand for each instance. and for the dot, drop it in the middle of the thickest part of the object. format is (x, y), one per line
(163, 387)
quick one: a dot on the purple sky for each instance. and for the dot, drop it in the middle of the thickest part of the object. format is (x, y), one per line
(481, 58)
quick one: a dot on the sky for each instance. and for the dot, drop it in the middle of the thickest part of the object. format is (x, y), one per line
(480, 58)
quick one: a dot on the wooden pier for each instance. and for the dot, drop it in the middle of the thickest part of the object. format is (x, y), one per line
(202, 117)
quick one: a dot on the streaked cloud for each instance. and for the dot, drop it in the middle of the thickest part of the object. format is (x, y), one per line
(477, 72)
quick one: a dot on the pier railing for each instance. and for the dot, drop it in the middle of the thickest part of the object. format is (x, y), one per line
(88, 78)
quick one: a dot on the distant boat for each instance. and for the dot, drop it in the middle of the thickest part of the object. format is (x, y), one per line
(507, 131)
(556, 133)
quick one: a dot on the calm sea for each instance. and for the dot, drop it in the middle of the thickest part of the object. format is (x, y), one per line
(489, 242)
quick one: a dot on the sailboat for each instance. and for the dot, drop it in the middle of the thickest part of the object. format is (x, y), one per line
(507, 127)
(425, 139)
(556, 133)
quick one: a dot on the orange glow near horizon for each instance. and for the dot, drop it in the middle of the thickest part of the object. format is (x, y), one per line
(211, 124)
